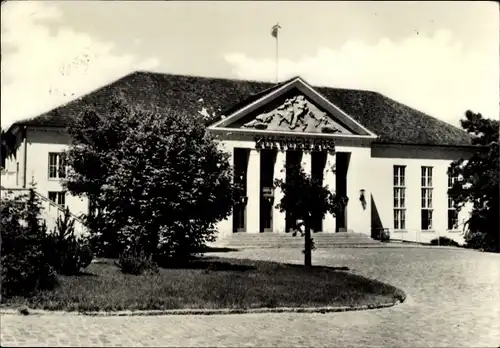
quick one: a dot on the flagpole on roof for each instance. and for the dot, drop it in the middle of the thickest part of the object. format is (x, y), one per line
(274, 33)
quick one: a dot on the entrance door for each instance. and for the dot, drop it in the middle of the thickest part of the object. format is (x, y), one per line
(318, 163)
(266, 210)
(341, 185)
(267, 159)
(240, 181)
(239, 212)
(292, 157)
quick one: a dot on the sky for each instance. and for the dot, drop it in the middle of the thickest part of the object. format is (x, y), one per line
(441, 58)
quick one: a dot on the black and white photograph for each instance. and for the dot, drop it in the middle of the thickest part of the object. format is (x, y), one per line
(250, 173)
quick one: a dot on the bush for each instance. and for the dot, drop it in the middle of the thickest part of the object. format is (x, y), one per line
(25, 259)
(152, 175)
(23, 276)
(385, 235)
(382, 234)
(136, 263)
(480, 241)
(70, 254)
(445, 241)
(180, 244)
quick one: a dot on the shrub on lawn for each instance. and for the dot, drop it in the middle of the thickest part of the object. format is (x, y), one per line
(136, 262)
(180, 245)
(25, 259)
(445, 241)
(154, 176)
(70, 254)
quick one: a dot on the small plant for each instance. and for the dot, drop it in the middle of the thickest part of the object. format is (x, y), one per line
(65, 225)
(136, 263)
(75, 255)
(444, 241)
(70, 253)
(24, 310)
(385, 235)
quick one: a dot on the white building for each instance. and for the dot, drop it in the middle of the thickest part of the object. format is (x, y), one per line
(390, 160)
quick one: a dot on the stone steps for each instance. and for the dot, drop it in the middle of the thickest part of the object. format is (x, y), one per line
(282, 240)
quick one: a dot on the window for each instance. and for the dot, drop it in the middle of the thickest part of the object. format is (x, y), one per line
(57, 168)
(399, 197)
(58, 197)
(452, 212)
(426, 201)
(94, 210)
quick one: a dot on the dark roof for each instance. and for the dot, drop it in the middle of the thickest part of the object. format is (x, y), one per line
(391, 121)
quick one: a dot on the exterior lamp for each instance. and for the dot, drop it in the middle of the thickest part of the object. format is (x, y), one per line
(362, 198)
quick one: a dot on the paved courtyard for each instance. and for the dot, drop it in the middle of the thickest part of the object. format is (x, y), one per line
(453, 300)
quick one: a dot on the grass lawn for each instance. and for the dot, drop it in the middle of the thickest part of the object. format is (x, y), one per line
(210, 282)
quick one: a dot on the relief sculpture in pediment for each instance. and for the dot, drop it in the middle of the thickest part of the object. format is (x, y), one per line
(295, 114)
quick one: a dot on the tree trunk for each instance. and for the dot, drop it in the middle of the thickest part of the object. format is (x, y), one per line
(307, 246)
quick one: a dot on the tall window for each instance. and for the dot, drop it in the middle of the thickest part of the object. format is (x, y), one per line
(57, 169)
(58, 197)
(426, 183)
(399, 197)
(452, 212)
(93, 209)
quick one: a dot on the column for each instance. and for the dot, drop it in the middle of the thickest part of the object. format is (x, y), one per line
(253, 192)
(306, 162)
(279, 218)
(225, 227)
(329, 178)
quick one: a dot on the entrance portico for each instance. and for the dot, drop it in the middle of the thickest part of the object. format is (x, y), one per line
(293, 124)
(263, 166)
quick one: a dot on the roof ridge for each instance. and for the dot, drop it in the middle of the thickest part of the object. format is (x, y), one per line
(150, 72)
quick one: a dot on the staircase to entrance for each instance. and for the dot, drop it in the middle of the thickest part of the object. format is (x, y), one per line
(50, 211)
(244, 240)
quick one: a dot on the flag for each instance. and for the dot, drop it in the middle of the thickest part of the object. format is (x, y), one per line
(274, 30)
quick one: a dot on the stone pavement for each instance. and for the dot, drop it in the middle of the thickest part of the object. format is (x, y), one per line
(453, 300)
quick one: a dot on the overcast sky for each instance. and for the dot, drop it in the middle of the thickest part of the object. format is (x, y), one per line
(439, 57)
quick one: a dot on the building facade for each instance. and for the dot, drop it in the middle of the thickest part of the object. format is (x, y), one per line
(391, 185)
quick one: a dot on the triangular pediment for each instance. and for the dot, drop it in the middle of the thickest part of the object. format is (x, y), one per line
(292, 112)
(292, 107)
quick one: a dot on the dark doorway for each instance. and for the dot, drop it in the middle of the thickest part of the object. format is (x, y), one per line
(318, 162)
(240, 178)
(341, 166)
(293, 157)
(267, 160)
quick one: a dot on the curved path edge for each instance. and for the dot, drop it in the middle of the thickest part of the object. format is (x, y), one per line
(202, 311)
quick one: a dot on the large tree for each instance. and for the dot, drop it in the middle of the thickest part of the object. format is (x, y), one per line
(305, 198)
(477, 183)
(157, 180)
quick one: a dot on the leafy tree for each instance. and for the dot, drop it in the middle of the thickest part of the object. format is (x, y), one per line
(477, 183)
(157, 179)
(305, 198)
(25, 256)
